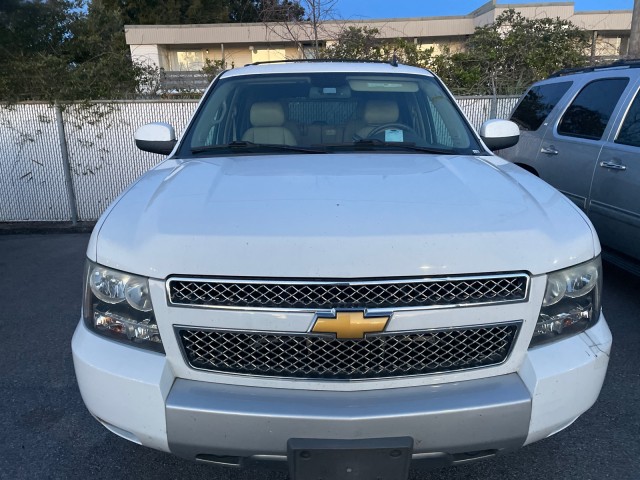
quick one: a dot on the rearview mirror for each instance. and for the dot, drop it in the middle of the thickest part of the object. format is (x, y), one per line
(499, 134)
(156, 137)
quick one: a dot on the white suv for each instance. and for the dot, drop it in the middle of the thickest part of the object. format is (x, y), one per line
(332, 273)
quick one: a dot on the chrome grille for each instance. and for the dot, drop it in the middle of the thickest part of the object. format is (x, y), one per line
(346, 295)
(323, 356)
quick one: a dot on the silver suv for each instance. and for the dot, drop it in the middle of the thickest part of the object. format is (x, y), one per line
(581, 133)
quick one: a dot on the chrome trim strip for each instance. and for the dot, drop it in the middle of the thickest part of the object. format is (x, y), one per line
(619, 120)
(332, 311)
(516, 336)
(580, 201)
(620, 214)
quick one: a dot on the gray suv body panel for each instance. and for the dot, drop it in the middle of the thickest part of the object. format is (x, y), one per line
(600, 175)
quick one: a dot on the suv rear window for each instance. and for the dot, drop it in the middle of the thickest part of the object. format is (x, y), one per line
(537, 104)
(589, 113)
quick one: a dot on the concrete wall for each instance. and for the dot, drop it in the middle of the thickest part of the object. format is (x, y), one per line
(147, 55)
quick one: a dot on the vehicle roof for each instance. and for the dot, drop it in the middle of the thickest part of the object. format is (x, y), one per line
(631, 66)
(325, 67)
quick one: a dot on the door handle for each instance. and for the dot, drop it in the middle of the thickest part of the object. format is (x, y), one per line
(550, 150)
(613, 166)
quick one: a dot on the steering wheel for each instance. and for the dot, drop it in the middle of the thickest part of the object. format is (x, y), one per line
(393, 126)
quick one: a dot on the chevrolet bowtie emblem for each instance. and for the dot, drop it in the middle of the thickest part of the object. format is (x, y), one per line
(350, 325)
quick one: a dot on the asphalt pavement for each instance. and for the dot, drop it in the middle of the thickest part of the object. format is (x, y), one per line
(47, 433)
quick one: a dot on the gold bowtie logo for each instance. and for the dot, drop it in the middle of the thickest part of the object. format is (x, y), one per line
(350, 325)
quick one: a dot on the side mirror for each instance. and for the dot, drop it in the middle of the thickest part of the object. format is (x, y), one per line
(156, 138)
(499, 134)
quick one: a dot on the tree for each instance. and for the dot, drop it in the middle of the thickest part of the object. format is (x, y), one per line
(318, 12)
(513, 52)
(364, 43)
(101, 57)
(280, 11)
(462, 73)
(58, 50)
(298, 21)
(169, 12)
(65, 50)
(244, 11)
(356, 43)
(34, 43)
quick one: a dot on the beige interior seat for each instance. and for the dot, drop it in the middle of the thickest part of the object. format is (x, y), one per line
(267, 120)
(376, 113)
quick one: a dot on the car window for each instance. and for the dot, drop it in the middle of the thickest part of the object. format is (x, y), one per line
(537, 104)
(630, 131)
(589, 113)
(329, 111)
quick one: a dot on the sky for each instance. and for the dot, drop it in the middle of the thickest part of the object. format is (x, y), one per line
(363, 9)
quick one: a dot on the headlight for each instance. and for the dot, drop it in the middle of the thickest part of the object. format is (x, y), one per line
(571, 302)
(118, 305)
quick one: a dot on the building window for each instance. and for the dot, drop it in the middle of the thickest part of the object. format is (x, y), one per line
(309, 51)
(190, 60)
(268, 54)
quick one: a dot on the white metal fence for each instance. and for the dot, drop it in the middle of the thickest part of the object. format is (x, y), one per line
(37, 185)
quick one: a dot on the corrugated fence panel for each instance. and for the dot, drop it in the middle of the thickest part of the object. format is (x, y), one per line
(102, 152)
(478, 109)
(506, 106)
(32, 185)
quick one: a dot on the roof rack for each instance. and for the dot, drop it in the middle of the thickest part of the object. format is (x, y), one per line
(393, 62)
(628, 63)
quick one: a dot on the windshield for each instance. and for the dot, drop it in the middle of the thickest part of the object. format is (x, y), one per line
(329, 112)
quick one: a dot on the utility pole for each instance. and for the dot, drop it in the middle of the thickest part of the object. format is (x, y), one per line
(634, 37)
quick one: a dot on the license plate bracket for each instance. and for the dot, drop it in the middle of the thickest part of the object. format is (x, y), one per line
(367, 459)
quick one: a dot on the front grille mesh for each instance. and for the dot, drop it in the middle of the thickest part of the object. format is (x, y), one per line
(319, 295)
(323, 356)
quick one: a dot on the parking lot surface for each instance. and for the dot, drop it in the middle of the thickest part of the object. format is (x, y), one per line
(48, 433)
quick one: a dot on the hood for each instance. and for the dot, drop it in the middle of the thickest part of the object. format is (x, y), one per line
(340, 216)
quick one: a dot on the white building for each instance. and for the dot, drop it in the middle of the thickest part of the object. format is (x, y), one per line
(184, 48)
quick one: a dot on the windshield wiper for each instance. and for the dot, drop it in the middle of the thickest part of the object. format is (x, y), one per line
(243, 145)
(374, 142)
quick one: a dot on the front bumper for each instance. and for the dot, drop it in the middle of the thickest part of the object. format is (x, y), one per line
(229, 420)
(136, 395)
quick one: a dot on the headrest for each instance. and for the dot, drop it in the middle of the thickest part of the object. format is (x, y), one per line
(266, 114)
(379, 112)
